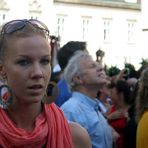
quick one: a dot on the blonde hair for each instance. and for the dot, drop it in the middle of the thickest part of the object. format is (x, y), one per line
(29, 29)
(142, 97)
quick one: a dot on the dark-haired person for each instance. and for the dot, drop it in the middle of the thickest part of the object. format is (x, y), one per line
(118, 114)
(63, 56)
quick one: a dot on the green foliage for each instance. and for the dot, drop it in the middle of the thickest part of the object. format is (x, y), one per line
(144, 62)
(131, 67)
(112, 71)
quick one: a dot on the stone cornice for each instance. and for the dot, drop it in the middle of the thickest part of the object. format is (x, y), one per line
(103, 3)
(34, 6)
(3, 5)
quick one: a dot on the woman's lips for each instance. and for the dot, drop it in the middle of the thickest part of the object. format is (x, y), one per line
(37, 86)
(35, 89)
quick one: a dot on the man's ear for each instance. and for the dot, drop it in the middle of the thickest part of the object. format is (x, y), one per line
(77, 80)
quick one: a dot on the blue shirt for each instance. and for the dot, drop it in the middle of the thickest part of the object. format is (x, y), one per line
(103, 108)
(84, 110)
(64, 92)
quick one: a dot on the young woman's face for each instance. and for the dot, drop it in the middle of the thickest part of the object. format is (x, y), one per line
(105, 92)
(27, 68)
(114, 95)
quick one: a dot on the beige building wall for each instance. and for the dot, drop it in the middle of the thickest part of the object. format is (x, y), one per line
(117, 48)
(144, 26)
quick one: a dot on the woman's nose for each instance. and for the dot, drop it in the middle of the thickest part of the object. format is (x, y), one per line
(37, 71)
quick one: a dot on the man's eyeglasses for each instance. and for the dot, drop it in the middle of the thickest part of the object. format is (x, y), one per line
(16, 25)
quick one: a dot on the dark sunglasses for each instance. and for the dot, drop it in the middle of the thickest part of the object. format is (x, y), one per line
(16, 25)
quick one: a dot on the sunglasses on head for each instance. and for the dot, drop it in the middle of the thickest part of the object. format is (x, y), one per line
(16, 25)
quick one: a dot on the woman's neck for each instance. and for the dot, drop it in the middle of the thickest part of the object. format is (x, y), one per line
(123, 107)
(24, 115)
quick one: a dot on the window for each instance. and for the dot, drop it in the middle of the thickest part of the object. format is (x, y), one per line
(130, 32)
(60, 25)
(107, 30)
(85, 27)
(131, 1)
(2, 17)
(34, 16)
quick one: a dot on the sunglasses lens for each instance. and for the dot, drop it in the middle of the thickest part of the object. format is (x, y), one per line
(16, 25)
(39, 25)
(13, 26)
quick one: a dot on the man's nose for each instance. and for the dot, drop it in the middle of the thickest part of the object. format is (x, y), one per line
(99, 69)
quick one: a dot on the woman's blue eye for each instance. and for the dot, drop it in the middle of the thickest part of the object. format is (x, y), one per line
(45, 61)
(23, 62)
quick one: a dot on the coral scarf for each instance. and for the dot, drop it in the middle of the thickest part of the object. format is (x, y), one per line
(51, 131)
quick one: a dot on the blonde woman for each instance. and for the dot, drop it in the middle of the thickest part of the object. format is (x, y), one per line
(142, 111)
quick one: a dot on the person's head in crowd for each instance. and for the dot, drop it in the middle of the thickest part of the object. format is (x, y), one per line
(83, 73)
(120, 92)
(122, 75)
(132, 83)
(68, 50)
(25, 58)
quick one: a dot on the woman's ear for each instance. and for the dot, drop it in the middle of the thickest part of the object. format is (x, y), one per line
(1, 67)
(2, 71)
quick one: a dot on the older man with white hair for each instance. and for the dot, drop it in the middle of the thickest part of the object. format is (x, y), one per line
(85, 77)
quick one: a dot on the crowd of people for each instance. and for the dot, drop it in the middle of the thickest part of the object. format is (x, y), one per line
(90, 101)
(85, 108)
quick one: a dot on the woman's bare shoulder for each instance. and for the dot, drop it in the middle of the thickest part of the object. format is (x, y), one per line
(80, 136)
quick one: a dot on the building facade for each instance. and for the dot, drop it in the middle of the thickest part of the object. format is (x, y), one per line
(114, 26)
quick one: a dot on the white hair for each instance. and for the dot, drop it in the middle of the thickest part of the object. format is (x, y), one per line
(74, 68)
